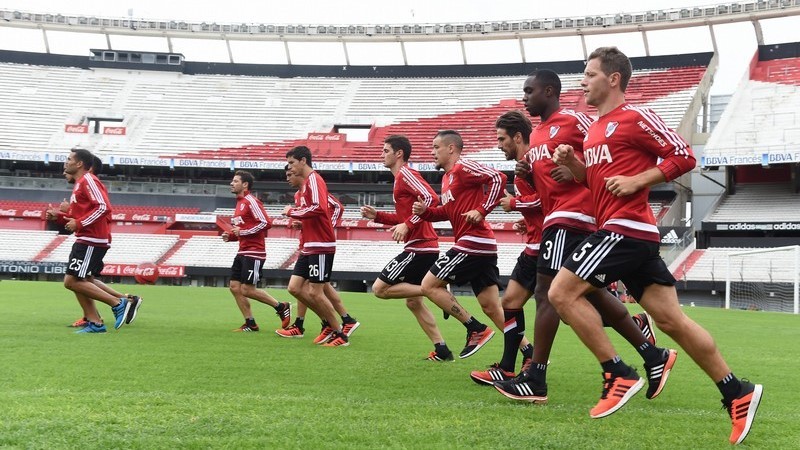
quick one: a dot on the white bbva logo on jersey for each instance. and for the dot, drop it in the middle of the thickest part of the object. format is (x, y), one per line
(236, 220)
(302, 202)
(540, 152)
(447, 196)
(596, 155)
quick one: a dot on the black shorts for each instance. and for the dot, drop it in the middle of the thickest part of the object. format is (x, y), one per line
(557, 244)
(461, 268)
(605, 257)
(314, 268)
(408, 267)
(246, 270)
(524, 271)
(85, 260)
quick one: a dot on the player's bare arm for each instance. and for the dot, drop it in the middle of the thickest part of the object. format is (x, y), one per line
(621, 185)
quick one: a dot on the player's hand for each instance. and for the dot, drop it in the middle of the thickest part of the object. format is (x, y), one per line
(50, 213)
(235, 231)
(71, 225)
(286, 210)
(519, 227)
(522, 169)
(399, 232)
(562, 174)
(226, 236)
(563, 154)
(296, 225)
(368, 212)
(473, 216)
(419, 206)
(621, 185)
(64, 206)
(505, 202)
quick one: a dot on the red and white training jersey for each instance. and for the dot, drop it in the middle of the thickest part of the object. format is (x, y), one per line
(314, 212)
(408, 186)
(527, 202)
(462, 191)
(336, 209)
(564, 204)
(628, 141)
(253, 224)
(91, 209)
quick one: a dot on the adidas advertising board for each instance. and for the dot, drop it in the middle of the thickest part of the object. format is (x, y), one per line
(672, 235)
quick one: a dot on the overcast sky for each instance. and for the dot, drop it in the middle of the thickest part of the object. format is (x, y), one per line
(736, 42)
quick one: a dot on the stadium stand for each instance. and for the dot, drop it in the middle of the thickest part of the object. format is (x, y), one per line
(212, 251)
(758, 202)
(711, 265)
(19, 245)
(244, 117)
(126, 248)
(762, 116)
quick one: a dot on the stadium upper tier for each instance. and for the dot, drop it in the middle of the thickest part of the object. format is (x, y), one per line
(758, 203)
(174, 115)
(761, 124)
(711, 264)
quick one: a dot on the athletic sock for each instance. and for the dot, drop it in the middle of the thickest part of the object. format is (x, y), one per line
(250, 322)
(513, 332)
(650, 354)
(298, 322)
(729, 387)
(347, 319)
(527, 351)
(473, 324)
(615, 366)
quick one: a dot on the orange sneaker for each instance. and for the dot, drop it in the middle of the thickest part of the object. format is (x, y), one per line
(284, 312)
(324, 335)
(246, 328)
(441, 357)
(349, 328)
(490, 375)
(743, 410)
(645, 323)
(80, 323)
(617, 390)
(337, 339)
(292, 332)
(476, 340)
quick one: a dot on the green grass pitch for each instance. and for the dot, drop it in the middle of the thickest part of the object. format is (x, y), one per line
(179, 378)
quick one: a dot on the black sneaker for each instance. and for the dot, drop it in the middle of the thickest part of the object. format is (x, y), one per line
(442, 356)
(284, 312)
(523, 387)
(657, 375)
(136, 302)
(476, 340)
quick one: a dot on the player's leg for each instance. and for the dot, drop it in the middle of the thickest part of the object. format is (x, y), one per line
(84, 262)
(249, 289)
(349, 323)
(401, 277)
(136, 301)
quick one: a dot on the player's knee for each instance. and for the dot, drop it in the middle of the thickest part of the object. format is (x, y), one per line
(414, 303)
(379, 290)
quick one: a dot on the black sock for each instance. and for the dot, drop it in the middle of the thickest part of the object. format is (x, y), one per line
(298, 322)
(472, 324)
(527, 351)
(347, 319)
(615, 366)
(650, 354)
(538, 372)
(325, 324)
(513, 332)
(441, 348)
(278, 306)
(729, 387)
(250, 322)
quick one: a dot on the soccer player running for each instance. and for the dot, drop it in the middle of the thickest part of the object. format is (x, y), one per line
(87, 217)
(622, 151)
(402, 276)
(349, 324)
(59, 216)
(513, 131)
(319, 246)
(250, 225)
(569, 219)
(473, 258)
